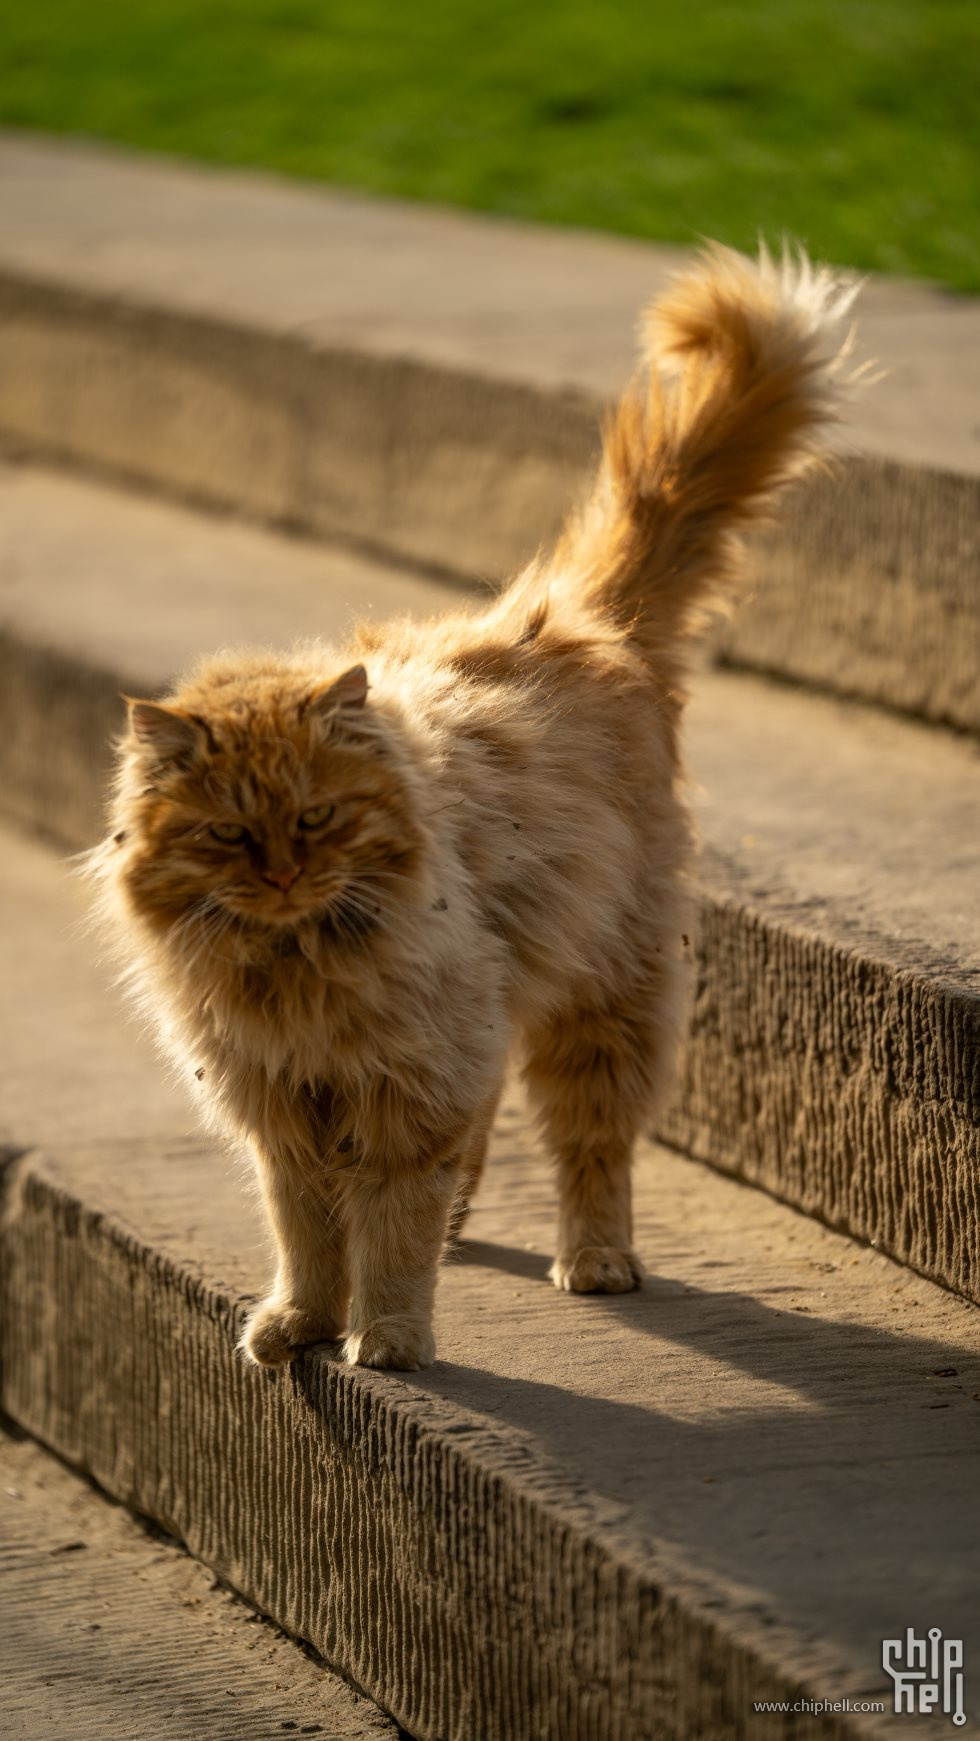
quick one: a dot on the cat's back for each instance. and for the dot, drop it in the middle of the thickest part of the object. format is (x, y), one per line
(548, 766)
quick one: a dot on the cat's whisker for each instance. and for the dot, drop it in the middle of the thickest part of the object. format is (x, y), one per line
(350, 915)
(365, 891)
(211, 921)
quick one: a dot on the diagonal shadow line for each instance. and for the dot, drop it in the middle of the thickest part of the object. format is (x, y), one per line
(800, 1350)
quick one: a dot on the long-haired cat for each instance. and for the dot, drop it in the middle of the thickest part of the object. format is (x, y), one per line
(351, 883)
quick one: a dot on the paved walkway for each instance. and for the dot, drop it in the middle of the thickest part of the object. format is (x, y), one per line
(111, 1632)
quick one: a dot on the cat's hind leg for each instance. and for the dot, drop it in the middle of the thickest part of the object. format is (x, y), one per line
(471, 1165)
(593, 1075)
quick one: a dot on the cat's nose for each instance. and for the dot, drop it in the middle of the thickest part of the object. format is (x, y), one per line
(282, 879)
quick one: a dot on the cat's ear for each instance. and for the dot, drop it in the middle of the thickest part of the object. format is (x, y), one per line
(348, 691)
(166, 731)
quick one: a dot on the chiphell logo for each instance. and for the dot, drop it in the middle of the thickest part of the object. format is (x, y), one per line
(927, 1672)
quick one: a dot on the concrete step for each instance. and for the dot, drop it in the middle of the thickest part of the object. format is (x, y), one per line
(834, 1055)
(428, 385)
(111, 1631)
(606, 1518)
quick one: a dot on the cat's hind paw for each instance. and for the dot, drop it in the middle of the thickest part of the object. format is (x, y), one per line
(597, 1269)
(277, 1332)
(398, 1344)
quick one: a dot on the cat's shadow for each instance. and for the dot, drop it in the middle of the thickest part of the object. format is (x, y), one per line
(792, 1454)
(713, 1461)
(779, 1344)
(482, 1253)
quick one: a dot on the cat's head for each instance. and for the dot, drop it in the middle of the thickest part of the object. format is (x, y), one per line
(259, 793)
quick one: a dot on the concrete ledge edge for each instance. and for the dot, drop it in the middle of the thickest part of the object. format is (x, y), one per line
(469, 1589)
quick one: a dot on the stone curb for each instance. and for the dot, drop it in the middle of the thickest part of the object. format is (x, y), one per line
(475, 1593)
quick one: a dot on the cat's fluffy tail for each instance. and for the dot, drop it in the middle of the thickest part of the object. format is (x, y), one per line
(743, 373)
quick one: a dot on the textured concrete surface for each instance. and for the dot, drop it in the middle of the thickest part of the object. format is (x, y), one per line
(111, 1631)
(835, 1050)
(626, 1517)
(427, 384)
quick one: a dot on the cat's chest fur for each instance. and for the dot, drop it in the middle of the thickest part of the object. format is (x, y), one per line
(308, 1011)
(287, 1010)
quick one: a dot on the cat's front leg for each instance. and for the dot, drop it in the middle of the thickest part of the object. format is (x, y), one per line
(308, 1301)
(397, 1222)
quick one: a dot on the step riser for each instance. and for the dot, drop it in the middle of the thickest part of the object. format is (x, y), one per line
(866, 587)
(57, 721)
(845, 1087)
(392, 1541)
(454, 472)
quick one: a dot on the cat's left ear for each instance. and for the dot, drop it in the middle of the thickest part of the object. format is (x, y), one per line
(348, 691)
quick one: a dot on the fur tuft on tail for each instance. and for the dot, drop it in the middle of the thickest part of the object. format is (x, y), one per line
(743, 374)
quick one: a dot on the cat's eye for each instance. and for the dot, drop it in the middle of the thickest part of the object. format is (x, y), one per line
(316, 816)
(229, 833)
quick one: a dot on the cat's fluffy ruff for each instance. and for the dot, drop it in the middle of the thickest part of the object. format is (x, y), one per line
(504, 866)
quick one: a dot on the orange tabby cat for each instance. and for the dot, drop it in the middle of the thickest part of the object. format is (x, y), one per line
(351, 884)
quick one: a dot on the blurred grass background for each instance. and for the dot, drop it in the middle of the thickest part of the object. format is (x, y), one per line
(851, 124)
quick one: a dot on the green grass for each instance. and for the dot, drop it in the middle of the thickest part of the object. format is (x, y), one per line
(851, 124)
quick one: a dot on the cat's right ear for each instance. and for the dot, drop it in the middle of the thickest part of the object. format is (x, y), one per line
(164, 731)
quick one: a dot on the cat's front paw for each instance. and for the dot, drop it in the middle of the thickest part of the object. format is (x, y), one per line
(397, 1343)
(597, 1269)
(277, 1331)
